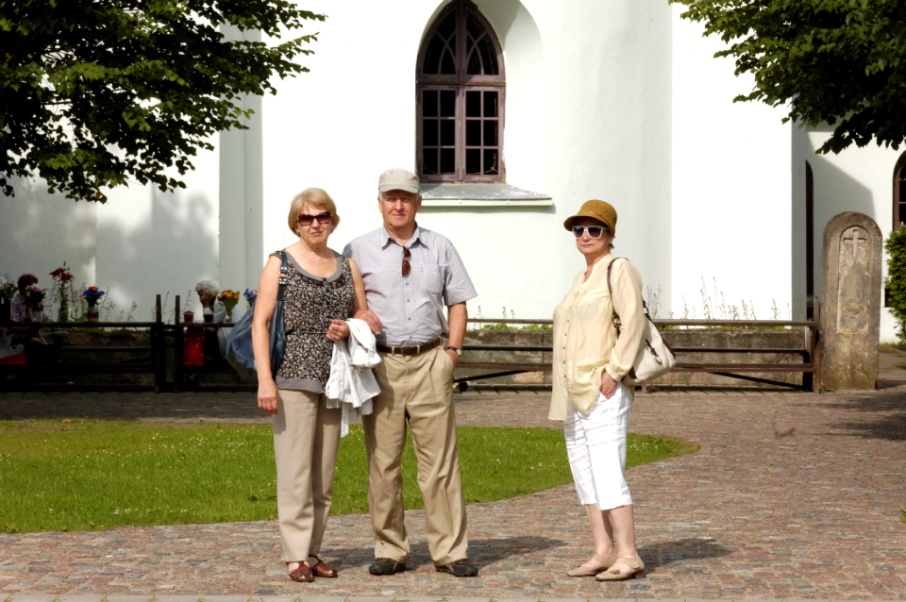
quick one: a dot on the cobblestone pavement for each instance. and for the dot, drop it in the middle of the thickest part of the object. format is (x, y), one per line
(791, 496)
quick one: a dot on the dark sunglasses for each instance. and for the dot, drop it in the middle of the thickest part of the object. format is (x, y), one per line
(307, 220)
(407, 267)
(593, 231)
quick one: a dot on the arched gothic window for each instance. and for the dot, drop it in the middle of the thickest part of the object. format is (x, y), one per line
(460, 86)
(899, 193)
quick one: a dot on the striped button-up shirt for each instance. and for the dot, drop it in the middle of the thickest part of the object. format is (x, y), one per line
(411, 308)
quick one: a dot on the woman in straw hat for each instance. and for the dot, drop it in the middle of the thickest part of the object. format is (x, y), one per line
(590, 363)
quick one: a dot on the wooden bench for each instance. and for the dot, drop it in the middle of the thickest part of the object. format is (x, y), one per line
(60, 365)
(799, 359)
(162, 356)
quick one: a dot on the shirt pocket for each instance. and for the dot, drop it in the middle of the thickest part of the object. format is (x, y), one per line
(428, 278)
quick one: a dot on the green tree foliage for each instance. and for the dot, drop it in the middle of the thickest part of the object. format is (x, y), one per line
(99, 93)
(842, 62)
(896, 279)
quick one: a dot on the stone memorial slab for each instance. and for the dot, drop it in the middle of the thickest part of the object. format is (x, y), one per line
(851, 303)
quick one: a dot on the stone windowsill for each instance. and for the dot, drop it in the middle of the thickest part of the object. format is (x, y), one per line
(483, 194)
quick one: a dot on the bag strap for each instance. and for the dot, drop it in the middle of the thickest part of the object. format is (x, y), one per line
(284, 271)
(615, 317)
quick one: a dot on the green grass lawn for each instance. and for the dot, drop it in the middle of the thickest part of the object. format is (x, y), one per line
(75, 475)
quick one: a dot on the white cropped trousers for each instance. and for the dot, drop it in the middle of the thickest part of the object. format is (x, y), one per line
(596, 447)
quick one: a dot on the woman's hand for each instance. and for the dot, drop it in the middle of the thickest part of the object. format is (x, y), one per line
(608, 385)
(267, 396)
(337, 330)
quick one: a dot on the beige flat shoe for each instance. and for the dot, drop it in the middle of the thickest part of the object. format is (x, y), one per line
(636, 567)
(587, 571)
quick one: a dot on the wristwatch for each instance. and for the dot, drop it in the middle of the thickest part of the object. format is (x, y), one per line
(456, 349)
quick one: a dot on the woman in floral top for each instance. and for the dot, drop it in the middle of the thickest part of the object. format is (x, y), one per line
(323, 289)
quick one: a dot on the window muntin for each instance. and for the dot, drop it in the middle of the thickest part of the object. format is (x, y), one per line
(460, 99)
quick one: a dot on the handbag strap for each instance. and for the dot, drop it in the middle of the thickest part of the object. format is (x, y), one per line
(284, 271)
(615, 317)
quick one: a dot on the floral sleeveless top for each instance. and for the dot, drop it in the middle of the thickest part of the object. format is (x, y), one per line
(310, 303)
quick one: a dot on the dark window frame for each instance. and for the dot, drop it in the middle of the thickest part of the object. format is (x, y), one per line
(899, 193)
(462, 158)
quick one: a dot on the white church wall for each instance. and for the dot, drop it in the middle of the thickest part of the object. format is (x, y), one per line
(857, 179)
(731, 189)
(607, 116)
(39, 231)
(571, 132)
(621, 101)
(150, 242)
(141, 242)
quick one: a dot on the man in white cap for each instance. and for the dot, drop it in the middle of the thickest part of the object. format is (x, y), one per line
(411, 274)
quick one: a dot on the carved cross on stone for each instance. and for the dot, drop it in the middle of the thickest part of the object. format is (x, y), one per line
(854, 240)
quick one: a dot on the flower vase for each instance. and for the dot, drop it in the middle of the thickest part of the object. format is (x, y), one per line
(37, 315)
(4, 310)
(229, 315)
(91, 313)
(63, 312)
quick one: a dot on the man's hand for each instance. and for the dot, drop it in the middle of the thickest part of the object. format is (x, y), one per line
(453, 356)
(370, 318)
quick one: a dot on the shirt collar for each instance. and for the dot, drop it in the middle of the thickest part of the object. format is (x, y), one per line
(416, 237)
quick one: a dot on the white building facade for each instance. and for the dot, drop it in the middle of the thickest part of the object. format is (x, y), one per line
(619, 100)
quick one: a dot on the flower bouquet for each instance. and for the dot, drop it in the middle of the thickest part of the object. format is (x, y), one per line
(8, 289)
(7, 292)
(63, 283)
(92, 295)
(229, 299)
(250, 296)
(35, 298)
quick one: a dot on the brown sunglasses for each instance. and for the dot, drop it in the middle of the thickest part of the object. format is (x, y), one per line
(306, 220)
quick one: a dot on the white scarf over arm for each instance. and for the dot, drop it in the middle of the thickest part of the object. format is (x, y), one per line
(352, 383)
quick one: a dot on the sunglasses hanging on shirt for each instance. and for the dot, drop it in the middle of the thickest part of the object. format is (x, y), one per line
(407, 267)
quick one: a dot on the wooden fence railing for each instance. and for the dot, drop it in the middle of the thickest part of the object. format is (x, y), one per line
(155, 360)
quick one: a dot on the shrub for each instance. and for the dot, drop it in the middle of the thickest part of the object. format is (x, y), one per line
(896, 279)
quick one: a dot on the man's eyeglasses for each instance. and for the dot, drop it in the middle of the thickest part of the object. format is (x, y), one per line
(307, 220)
(593, 231)
(407, 267)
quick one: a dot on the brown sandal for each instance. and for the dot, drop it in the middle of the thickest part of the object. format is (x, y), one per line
(302, 574)
(322, 570)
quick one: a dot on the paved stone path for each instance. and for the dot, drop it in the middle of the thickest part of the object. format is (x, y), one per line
(792, 496)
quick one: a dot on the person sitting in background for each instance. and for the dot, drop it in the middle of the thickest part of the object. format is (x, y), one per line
(27, 337)
(207, 294)
(213, 312)
(20, 310)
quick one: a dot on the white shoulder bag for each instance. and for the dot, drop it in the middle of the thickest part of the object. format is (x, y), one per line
(655, 358)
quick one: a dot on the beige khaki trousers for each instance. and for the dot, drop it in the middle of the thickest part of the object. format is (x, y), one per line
(306, 438)
(419, 388)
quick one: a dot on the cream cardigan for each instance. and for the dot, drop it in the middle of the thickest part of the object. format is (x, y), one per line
(585, 340)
